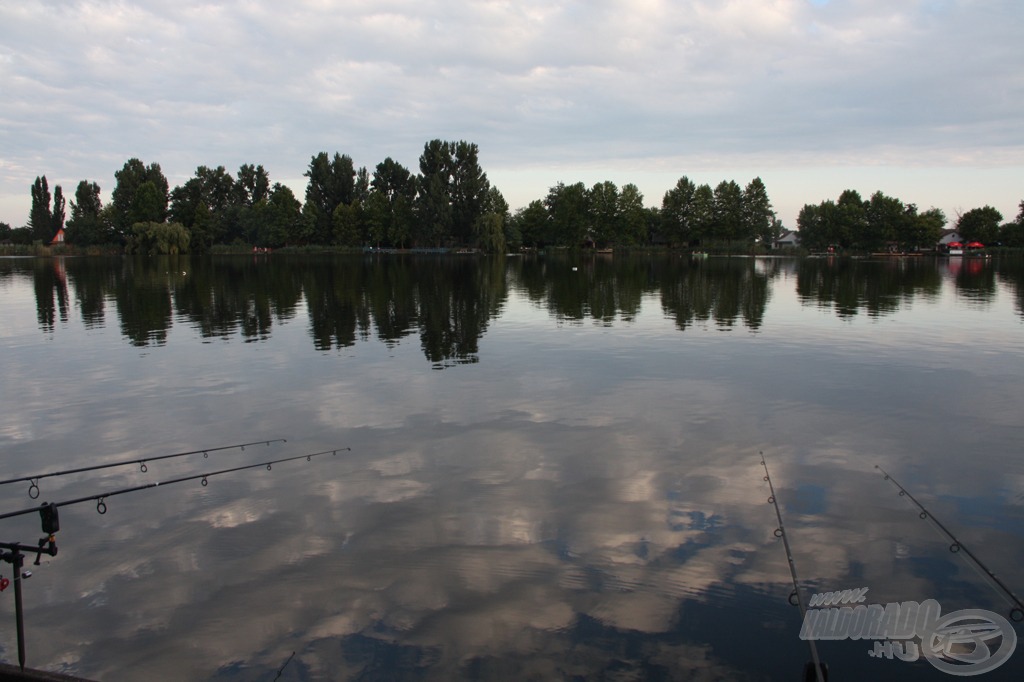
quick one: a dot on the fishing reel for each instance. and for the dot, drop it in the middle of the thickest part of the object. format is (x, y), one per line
(47, 544)
(50, 520)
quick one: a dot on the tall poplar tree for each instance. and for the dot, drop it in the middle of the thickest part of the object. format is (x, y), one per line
(40, 220)
(57, 214)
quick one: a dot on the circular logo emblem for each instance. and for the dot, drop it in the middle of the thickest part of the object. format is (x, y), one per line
(969, 642)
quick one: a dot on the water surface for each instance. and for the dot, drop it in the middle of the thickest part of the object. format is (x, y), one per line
(554, 469)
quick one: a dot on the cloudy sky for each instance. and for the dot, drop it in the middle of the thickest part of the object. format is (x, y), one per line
(922, 99)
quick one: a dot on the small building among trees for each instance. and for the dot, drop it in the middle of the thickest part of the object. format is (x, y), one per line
(788, 239)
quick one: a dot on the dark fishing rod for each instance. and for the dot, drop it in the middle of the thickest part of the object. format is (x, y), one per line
(33, 489)
(820, 671)
(15, 553)
(100, 498)
(1017, 611)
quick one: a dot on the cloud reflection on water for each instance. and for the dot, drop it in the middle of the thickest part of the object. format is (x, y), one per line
(580, 502)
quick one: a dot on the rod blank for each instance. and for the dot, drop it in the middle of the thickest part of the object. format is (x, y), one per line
(1017, 612)
(780, 532)
(100, 498)
(33, 489)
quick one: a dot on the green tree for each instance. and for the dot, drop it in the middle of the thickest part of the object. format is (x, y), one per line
(347, 221)
(203, 230)
(469, 190)
(40, 220)
(632, 216)
(677, 212)
(775, 232)
(816, 225)
(252, 186)
(216, 192)
(980, 224)
(277, 220)
(758, 216)
(287, 211)
(532, 224)
(361, 188)
(392, 210)
(654, 222)
(21, 235)
(1012, 234)
(434, 210)
(848, 221)
(603, 210)
(451, 188)
(127, 207)
(885, 218)
(149, 201)
(925, 229)
(490, 227)
(567, 206)
(210, 187)
(86, 225)
(57, 214)
(158, 239)
(378, 219)
(331, 183)
(703, 213)
(728, 223)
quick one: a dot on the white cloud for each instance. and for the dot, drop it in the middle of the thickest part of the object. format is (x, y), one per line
(608, 86)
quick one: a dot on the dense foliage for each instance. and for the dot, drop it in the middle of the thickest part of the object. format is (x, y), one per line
(451, 203)
(877, 224)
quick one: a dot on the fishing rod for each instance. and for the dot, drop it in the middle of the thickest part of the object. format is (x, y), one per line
(820, 670)
(1016, 612)
(100, 498)
(15, 552)
(33, 489)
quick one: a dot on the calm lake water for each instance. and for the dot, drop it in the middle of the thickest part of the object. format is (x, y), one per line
(554, 470)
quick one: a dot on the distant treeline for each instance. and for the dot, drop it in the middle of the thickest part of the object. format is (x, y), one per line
(883, 222)
(451, 203)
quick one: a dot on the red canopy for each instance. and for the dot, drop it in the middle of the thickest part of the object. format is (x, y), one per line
(975, 245)
(955, 245)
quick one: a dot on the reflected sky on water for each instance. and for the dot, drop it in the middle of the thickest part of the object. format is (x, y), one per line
(554, 466)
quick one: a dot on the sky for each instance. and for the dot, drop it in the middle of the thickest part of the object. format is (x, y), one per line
(919, 99)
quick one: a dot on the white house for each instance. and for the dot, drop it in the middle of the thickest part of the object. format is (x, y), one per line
(949, 236)
(788, 239)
